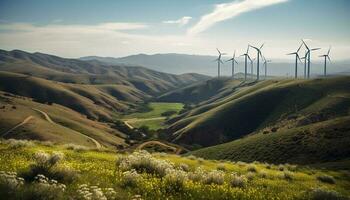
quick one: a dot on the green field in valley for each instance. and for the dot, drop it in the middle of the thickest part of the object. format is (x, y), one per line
(152, 118)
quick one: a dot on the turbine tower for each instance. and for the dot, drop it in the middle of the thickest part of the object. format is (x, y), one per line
(219, 61)
(309, 57)
(251, 63)
(305, 62)
(245, 63)
(258, 60)
(252, 67)
(233, 59)
(265, 65)
(325, 61)
(296, 60)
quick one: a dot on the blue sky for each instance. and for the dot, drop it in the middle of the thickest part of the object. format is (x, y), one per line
(74, 28)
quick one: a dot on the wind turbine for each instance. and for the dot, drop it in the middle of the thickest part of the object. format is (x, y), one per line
(325, 61)
(258, 59)
(245, 63)
(265, 65)
(233, 59)
(219, 60)
(296, 60)
(309, 57)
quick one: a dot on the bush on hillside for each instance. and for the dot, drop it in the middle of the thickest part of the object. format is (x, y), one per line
(238, 180)
(47, 165)
(326, 179)
(323, 194)
(144, 162)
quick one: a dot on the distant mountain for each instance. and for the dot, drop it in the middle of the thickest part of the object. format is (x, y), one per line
(183, 63)
(92, 72)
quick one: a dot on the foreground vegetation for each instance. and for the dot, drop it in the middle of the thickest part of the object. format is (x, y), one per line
(33, 170)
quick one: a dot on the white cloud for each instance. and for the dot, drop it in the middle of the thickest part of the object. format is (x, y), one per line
(181, 22)
(227, 11)
(106, 39)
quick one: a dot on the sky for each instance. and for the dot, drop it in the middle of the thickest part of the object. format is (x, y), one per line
(116, 28)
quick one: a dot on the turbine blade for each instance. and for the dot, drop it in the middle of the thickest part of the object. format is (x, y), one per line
(261, 46)
(298, 58)
(305, 44)
(314, 49)
(218, 50)
(221, 62)
(329, 50)
(300, 47)
(236, 62)
(229, 60)
(329, 58)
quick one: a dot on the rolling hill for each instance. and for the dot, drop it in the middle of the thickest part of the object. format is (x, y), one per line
(23, 118)
(267, 106)
(92, 72)
(320, 142)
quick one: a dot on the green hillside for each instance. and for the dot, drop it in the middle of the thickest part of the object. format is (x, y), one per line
(254, 107)
(86, 99)
(326, 141)
(61, 124)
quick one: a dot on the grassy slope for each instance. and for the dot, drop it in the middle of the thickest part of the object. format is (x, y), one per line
(326, 141)
(69, 127)
(199, 92)
(98, 168)
(253, 108)
(93, 101)
(155, 111)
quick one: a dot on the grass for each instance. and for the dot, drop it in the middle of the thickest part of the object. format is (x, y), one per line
(155, 110)
(315, 143)
(100, 169)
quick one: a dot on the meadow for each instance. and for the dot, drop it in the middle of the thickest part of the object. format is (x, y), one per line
(153, 117)
(43, 170)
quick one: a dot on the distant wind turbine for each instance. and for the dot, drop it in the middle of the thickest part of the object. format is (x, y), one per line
(326, 56)
(265, 65)
(296, 60)
(258, 60)
(219, 61)
(233, 59)
(245, 63)
(309, 57)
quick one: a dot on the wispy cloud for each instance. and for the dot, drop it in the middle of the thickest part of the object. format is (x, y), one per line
(74, 40)
(181, 22)
(229, 10)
